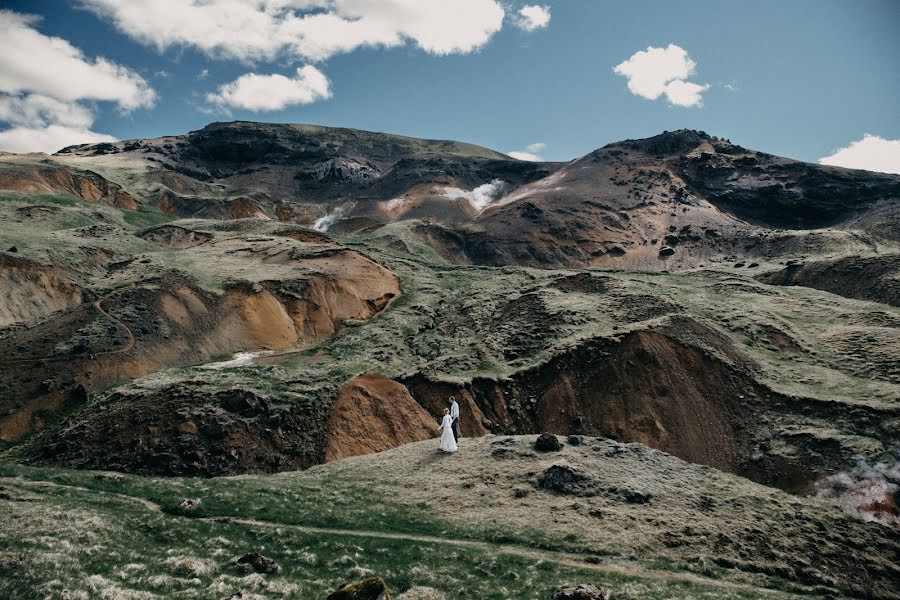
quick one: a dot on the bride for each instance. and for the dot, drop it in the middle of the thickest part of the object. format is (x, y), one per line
(448, 442)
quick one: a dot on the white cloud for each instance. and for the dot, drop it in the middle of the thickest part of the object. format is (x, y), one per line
(685, 93)
(655, 72)
(45, 80)
(272, 92)
(203, 74)
(32, 62)
(303, 29)
(533, 16)
(530, 153)
(49, 139)
(872, 153)
(35, 110)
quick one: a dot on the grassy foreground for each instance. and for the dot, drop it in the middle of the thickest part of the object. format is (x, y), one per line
(71, 534)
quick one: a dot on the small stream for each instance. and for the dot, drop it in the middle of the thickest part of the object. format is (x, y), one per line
(240, 359)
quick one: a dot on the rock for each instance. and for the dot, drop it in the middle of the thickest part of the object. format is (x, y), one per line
(48, 385)
(574, 440)
(260, 563)
(189, 504)
(634, 496)
(13, 249)
(547, 442)
(581, 592)
(371, 588)
(561, 479)
(666, 251)
(109, 477)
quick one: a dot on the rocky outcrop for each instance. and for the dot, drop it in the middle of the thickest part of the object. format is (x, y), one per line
(372, 588)
(173, 236)
(373, 413)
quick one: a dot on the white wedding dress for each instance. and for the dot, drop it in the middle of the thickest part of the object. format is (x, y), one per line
(448, 442)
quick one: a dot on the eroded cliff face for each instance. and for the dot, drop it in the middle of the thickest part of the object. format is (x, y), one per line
(373, 413)
(655, 388)
(67, 347)
(30, 292)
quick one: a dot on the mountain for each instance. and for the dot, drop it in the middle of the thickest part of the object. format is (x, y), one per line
(295, 173)
(257, 298)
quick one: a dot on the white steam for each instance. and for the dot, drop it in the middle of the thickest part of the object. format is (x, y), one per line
(868, 491)
(481, 196)
(324, 223)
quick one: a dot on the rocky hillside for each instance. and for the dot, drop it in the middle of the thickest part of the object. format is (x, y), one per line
(298, 173)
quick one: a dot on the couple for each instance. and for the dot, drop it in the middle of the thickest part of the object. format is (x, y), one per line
(450, 427)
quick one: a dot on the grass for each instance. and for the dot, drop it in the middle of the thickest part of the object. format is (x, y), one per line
(145, 218)
(42, 199)
(128, 551)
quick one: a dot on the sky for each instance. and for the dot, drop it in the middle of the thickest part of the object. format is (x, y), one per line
(815, 80)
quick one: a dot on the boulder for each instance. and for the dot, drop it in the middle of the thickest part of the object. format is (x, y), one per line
(666, 251)
(580, 592)
(561, 479)
(260, 563)
(547, 442)
(371, 588)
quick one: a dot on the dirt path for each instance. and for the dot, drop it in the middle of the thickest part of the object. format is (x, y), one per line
(559, 558)
(129, 344)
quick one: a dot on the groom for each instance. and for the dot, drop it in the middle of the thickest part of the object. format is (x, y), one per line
(454, 417)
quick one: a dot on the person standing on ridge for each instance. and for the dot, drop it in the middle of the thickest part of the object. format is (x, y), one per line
(454, 417)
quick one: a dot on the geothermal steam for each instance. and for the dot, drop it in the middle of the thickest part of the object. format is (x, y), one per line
(481, 196)
(324, 223)
(869, 491)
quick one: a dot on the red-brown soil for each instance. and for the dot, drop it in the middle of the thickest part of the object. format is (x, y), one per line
(373, 413)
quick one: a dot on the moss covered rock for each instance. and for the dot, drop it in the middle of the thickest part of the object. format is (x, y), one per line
(371, 588)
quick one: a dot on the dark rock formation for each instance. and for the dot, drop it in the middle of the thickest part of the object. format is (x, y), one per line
(372, 588)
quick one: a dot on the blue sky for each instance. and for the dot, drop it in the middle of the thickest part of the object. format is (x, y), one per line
(801, 78)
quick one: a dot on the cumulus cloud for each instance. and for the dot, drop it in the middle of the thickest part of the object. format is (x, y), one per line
(48, 139)
(872, 153)
(656, 72)
(531, 152)
(311, 30)
(533, 16)
(32, 62)
(45, 82)
(272, 92)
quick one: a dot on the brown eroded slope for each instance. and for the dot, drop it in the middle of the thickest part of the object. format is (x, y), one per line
(30, 292)
(36, 174)
(261, 293)
(373, 413)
